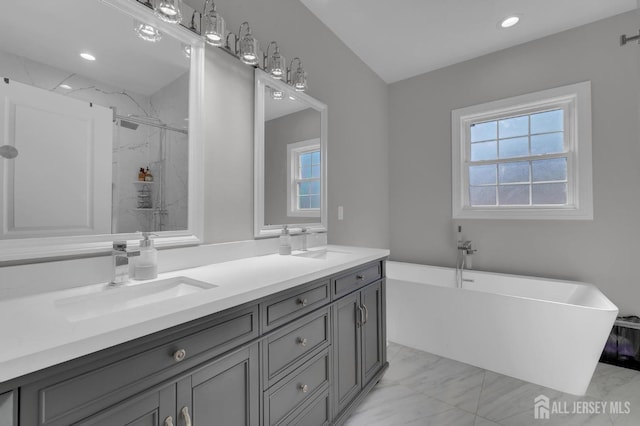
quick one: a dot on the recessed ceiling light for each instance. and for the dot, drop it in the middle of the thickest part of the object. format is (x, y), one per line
(88, 56)
(509, 21)
(65, 86)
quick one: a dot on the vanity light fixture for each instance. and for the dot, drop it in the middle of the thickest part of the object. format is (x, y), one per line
(297, 78)
(276, 64)
(169, 10)
(509, 21)
(245, 46)
(147, 32)
(214, 25)
(87, 56)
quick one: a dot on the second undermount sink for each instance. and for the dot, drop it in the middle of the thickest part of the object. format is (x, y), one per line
(129, 296)
(321, 254)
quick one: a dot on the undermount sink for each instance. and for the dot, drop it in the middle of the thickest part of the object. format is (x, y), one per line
(323, 254)
(115, 299)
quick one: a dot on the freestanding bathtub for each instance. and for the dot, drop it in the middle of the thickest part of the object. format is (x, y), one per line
(543, 331)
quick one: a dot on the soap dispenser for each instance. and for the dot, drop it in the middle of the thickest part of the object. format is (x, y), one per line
(146, 265)
(285, 241)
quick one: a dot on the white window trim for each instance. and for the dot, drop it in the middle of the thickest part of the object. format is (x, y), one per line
(576, 101)
(293, 150)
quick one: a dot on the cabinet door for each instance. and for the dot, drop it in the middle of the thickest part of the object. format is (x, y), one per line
(152, 408)
(347, 377)
(223, 393)
(373, 340)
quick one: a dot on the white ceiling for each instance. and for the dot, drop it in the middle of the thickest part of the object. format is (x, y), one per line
(55, 32)
(399, 39)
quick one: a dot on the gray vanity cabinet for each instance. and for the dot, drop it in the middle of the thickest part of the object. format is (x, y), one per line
(152, 408)
(305, 356)
(359, 342)
(223, 393)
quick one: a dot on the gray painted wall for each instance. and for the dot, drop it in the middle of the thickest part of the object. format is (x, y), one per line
(601, 251)
(278, 133)
(358, 125)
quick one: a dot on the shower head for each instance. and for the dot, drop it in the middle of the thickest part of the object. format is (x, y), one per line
(128, 124)
(9, 152)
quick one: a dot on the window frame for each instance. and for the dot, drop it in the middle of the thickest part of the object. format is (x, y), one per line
(294, 151)
(575, 101)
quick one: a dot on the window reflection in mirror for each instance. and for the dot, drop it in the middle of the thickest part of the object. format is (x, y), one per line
(291, 161)
(62, 109)
(290, 168)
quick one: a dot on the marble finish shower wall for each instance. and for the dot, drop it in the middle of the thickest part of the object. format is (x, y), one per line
(132, 149)
(170, 105)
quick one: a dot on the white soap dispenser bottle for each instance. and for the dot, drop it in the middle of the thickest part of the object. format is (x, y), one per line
(146, 265)
(285, 241)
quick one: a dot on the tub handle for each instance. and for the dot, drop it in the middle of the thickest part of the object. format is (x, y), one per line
(366, 314)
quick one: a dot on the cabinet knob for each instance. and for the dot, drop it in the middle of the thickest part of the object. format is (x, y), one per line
(185, 416)
(168, 421)
(179, 355)
(302, 302)
(360, 277)
(302, 341)
(304, 388)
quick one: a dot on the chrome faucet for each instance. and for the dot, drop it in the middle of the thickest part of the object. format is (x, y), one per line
(120, 261)
(304, 232)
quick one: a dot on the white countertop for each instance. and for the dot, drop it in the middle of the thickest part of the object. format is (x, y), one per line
(36, 334)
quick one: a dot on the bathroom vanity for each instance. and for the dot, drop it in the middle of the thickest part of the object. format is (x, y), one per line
(294, 340)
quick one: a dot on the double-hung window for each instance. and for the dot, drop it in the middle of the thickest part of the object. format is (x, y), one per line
(304, 178)
(527, 157)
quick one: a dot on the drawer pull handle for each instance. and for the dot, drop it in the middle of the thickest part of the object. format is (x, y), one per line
(304, 388)
(179, 355)
(185, 415)
(302, 341)
(168, 421)
(360, 277)
(302, 302)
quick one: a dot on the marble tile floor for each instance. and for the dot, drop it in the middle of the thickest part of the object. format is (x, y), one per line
(422, 389)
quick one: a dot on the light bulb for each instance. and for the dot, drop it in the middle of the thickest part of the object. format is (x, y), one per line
(147, 32)
(169, 11)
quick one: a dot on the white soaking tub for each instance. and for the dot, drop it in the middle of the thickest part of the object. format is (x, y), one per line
(543, 331)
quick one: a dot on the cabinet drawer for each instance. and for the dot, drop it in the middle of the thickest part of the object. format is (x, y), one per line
(316, 413)
(302, 385)
(287, 348)
(357, 278)
(292, 305)
(114, 382)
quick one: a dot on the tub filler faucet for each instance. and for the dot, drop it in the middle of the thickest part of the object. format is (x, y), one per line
(463, 260)
(120, 260)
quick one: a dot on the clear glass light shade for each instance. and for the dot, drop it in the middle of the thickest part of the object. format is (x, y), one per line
(277, 65)
(300, 80)
(147, 32)
(249, 50)
(169, 10)
(214, 31)
(277, 94)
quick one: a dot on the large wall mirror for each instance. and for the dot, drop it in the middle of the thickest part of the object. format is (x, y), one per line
(290, 159)
(100, 128)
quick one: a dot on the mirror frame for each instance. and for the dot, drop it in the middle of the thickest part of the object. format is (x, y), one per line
(262, 79)
(30, 250)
